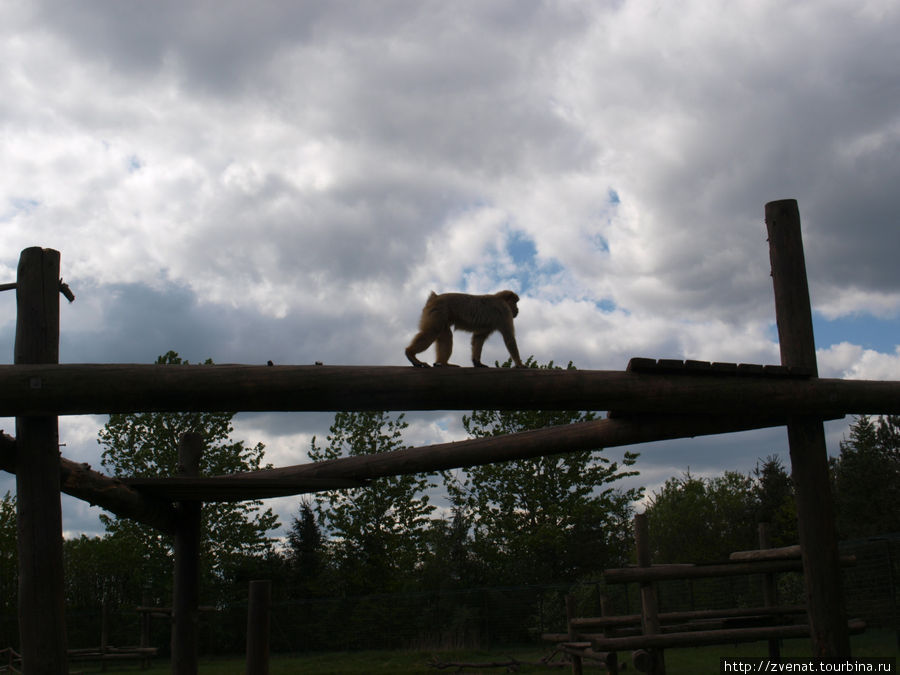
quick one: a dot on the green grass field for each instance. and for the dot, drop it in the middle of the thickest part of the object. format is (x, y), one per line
(689, 661)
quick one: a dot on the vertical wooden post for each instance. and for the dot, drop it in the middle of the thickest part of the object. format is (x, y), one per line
(571, 608)
(769, 589)
(145, 627)
(104, 632)
(649, 607)
(612, 661)
(42, 624)
(806, 437)
(258, 627)
(186, 582)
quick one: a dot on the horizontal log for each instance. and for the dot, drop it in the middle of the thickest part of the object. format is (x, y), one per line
(675, 366)
(75, 389)
(767, 553)
(667, 572)
(710, 637)
(78, 480)
(572, 648)
(583, 623)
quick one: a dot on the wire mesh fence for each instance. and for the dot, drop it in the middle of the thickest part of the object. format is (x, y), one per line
(484, 618)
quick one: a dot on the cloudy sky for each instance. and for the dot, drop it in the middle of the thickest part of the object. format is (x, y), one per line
(289, 180)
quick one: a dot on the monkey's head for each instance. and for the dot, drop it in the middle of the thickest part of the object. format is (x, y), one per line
(511, 299)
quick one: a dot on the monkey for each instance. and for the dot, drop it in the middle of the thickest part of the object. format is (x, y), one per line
(480, 315)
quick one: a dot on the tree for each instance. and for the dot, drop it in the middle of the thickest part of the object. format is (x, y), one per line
(146, 444)
(376, 532)
(549, 518)
(9, 560)
(306, 550)
(702, 519)
(774, 493)
(866, 478)
(449, 562)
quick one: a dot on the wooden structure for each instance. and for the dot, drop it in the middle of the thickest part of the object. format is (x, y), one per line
(258, 620)
(648, 633)
(647, 403)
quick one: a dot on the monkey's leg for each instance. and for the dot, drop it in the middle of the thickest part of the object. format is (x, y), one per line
(477, 344)
(444, 347)
(420, 343)
(510, 339)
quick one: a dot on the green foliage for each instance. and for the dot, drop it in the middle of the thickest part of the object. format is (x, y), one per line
(774, 494)
(377, 532)
(695, 519)
(866, 478)
(146, 444)
(306, 552)
(9, 560)
(549, 518)
(98, 568)
(702, 519)
(449, 561)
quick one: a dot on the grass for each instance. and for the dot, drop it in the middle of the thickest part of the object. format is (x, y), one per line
(693, 661)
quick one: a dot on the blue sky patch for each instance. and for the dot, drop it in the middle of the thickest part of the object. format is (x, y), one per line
(521, 248)
(882, 335)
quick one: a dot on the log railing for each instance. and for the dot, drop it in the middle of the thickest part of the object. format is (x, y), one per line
(650, 632)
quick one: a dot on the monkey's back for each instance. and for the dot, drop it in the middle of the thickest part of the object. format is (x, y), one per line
(473, 313)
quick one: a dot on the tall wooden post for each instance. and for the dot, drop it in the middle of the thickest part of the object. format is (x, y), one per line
(42, 625)
(571, 609)
(649, 604)
(806, 437)
(186, 582)
(258, 627)
(769, 587)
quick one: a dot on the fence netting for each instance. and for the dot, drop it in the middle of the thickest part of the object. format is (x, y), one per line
(483, 617)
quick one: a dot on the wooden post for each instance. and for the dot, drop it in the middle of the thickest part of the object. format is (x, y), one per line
(573, 634)
(42, 625)
(806, 437)
(104, 632)
(769, 589)
(145, 627)
(612, 663)
(258, 627)
(649, 608)
(186, 585)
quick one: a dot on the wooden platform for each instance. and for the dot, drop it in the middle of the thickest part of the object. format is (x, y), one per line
(689, 367)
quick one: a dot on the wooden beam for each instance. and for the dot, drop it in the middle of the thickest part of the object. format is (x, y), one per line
(806, 438)
(186, 582)
(585, 623)
(348, 471)
(655, 661)
(111, 494)
(708, 637)
(258, 602)
(77, 389)
(767, 553)
(42, 622)
(625, 575)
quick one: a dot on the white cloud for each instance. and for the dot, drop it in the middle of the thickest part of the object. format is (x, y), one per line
(852, 362)
(290, 181)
